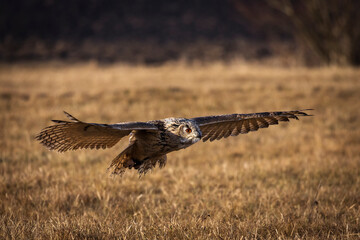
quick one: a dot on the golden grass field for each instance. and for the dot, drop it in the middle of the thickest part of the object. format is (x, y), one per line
(297, 180)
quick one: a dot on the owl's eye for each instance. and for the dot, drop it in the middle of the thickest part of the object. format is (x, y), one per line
(188, 130)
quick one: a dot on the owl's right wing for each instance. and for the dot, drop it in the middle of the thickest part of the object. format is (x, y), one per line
(76, 134)
(223, 126)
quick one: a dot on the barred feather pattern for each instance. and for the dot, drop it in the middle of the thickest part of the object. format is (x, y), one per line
(235, 124)
(77, 135)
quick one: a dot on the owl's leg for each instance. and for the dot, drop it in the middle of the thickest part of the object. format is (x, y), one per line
(149, 163)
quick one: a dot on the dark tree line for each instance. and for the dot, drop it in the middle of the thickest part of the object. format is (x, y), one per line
(330, 28)
(126, 30)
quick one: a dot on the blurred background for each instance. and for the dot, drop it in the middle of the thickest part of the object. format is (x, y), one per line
(285, 32)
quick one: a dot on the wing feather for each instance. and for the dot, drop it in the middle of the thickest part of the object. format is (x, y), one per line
(216, 133)
(262, 123)
(222, 126)
(208, 132)
(253, 125)
(271, 120)
(245, 127)
(228, 130)
(222, 132)
(76, 134)
(237, 129)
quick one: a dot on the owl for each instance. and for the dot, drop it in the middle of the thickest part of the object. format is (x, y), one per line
(149, 142)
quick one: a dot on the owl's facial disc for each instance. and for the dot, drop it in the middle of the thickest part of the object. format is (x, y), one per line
(190, 133)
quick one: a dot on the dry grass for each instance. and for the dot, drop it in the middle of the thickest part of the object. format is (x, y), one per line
(293, 181)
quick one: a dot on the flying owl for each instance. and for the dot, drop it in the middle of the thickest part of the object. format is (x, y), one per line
(151, 141)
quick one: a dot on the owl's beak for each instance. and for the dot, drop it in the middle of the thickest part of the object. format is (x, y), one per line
(197, 137)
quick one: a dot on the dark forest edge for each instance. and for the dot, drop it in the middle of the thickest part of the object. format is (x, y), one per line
(313, 33)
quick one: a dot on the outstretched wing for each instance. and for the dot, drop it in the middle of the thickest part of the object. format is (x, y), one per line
(222, 126)
(77, 134)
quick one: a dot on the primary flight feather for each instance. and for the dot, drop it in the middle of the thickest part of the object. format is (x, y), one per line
(151, 141)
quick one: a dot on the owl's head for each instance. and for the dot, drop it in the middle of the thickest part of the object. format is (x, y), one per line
(188, 131)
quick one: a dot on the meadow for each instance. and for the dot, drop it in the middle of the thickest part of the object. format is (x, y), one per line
(297, 180)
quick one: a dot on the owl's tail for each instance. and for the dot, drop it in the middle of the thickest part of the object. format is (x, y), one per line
(123, 160)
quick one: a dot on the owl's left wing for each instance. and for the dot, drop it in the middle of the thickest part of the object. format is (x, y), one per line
(223, 126)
